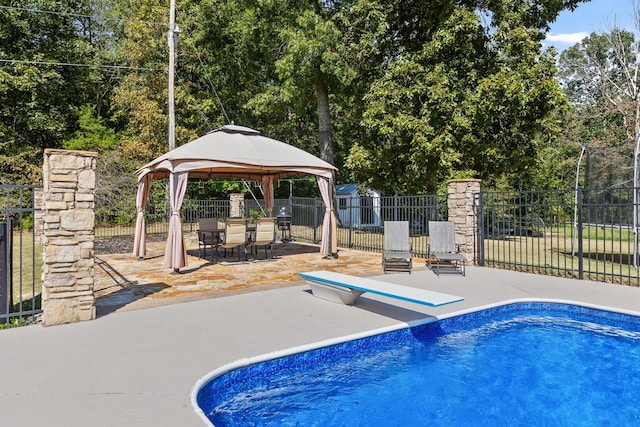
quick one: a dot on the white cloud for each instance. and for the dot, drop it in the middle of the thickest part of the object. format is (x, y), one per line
(570, 38)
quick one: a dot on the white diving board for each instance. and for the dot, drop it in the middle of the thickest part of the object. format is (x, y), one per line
(342, 288)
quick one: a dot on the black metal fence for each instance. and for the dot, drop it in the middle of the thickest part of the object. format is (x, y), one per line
(20, 256)
(586, 234)
(360, 219)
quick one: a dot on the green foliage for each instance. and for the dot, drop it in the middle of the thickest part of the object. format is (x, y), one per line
(116, 187)
(39, 92)
(468, 103)
(210, 189)
(400, 94)
(13, 322)
(600, 77)
(254, 214)
(92, 133)
(27, 222)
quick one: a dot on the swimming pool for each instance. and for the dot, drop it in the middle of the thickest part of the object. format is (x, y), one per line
(517, 364)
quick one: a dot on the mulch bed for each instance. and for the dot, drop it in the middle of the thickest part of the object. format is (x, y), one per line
(121, 244)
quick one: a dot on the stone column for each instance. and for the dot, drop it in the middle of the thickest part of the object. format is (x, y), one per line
(462, 194)
(67, 276)
(237, 205)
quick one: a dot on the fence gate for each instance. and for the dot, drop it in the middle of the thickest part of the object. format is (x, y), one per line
(20, 255)
(6, 269)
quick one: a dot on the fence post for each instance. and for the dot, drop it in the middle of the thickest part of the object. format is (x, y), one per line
(395, 207)
(68, 238)
(579, 235)
(352, 218)
(460, 203)
(480, 228)
(237, 205)
(315, 220)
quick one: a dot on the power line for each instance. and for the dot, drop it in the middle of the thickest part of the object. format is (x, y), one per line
(215, 92)
(197, 107)
(48, 12)
(75, 15)
(78, 15)
(68, 64)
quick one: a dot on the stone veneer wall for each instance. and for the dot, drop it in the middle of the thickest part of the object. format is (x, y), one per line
(462, 195)
(68, 237)
(237, 205)
(38, 216)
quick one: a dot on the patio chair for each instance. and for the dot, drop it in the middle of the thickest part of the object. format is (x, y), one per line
(208, 235)
(265, 235)
(396, 253)
(235, 236)
(442, 249)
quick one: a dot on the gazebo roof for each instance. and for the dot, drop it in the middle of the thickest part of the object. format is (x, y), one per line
(237, 151)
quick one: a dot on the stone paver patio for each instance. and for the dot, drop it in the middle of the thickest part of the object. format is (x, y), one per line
(124, 283)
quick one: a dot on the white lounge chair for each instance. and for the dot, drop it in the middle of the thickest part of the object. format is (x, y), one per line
(396, 252)
(442, 250)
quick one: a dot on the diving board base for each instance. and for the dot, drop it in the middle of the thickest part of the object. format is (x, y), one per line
(345, 289)
(334, 293)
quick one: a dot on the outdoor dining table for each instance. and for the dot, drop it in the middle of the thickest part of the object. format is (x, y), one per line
(217, 232)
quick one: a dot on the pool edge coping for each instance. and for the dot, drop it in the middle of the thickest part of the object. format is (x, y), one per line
(248, 361)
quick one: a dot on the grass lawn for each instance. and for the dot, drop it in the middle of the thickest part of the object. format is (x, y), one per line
(607, 254)
(27, 271)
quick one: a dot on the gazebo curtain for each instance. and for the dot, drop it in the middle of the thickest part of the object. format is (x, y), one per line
(267, 191)
(175, 254)
(139, 240)
(329, 246)
(229, 152)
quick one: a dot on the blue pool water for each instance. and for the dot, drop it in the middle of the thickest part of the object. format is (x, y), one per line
(519, 364)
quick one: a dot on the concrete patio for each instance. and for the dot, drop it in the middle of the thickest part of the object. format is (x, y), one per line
(137, 363)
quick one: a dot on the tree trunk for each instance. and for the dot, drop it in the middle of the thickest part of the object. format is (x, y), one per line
(326, 141)
(324, 123)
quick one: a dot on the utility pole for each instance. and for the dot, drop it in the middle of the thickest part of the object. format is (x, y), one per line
(172, 36)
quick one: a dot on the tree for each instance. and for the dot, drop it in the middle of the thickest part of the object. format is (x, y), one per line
(398, 94)
(601, 75)
(286, 66)
(140, 100)
(468, 101)
(51, 53)
(313, 63)
(92, 134)
(233, 49)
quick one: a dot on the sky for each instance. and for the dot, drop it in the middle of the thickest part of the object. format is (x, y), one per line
(594, 16)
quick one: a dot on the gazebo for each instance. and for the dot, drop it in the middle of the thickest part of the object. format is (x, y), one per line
(229, 152)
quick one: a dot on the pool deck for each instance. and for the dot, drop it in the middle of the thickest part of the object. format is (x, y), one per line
(138, 367)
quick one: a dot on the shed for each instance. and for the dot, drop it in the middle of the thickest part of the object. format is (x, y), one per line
(356, 209)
